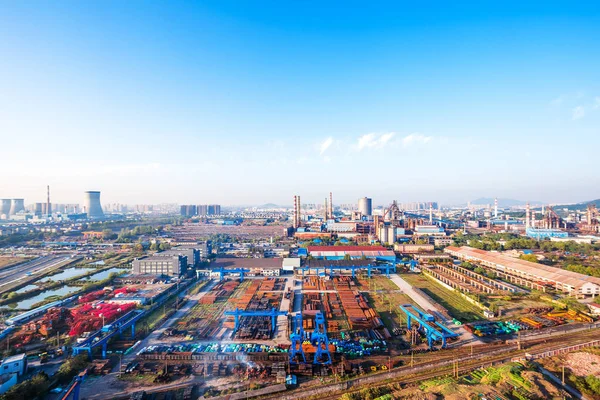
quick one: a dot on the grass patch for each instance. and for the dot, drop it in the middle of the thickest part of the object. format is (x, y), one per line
(456, 305)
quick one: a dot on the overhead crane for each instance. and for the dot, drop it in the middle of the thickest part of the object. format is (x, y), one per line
(222, 271)
(273, 313)
(102, 337)
(72, 392)
(297, 338)
(433, 330)
(318, 338)
(353, 268)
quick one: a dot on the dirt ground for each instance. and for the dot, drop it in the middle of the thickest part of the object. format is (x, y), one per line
(583, 364)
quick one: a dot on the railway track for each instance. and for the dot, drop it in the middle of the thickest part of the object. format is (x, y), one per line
(442, 366)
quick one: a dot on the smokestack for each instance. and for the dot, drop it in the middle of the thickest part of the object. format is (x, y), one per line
(496, 207)
(92, 205)
(330, 205)
(48, 206)
(295, 212)
(326, 210)
(430, 214)
(527, 216)
(298, 212)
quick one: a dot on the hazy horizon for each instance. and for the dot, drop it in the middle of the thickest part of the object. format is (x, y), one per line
(238, 103)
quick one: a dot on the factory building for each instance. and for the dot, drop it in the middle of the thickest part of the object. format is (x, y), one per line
(566, 281)
(256, 266)
(191, 254)
(413, 248)
(432, 230)
(541, 234)
(365, 206)
(379, 253)
(175, 265)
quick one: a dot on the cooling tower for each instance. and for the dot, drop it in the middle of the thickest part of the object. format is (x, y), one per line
(365, 206)
(5, 210)
(92, 205)
(16, 205)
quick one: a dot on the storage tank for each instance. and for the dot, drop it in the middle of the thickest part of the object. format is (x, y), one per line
(16, 205)
(5, 208)
(92, 205)
(365, 206)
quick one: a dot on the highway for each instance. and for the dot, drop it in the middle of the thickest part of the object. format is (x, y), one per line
(19, 272)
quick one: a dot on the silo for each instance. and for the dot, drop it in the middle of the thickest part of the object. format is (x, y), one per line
(365, 206)
(16, 205)
(92, 205)
(5, 210)
(383, 234)
(391, 234)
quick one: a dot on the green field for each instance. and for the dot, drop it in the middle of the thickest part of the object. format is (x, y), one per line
(456, 305)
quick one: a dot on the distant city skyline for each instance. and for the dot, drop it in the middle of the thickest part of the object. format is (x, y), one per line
(231, 102)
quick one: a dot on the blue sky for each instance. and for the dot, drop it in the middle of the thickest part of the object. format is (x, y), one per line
(251, 102)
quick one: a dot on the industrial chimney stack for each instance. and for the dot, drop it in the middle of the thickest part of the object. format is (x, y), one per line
(527, 216)
(496, 208)
(330, 205)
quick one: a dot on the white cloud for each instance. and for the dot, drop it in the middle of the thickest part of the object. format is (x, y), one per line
(415, 138)
(325, 145)
(374, 140)
(578, 112)
(597, 102)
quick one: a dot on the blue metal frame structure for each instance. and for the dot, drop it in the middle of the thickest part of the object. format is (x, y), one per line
(297, 338)
(273, 313)
(319, 339)
(222, 271)
(386, 267)
(434, 331)
(101, 338)
(73, 389)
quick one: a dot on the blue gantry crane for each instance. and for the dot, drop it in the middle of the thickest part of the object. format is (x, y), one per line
(318, 338)
(297, 338)
(433, 330)
(387, 267)
(72, 391)
(273, 313)
(102, 337)
(222, 271)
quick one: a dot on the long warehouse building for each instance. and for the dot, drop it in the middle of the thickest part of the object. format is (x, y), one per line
(567, 281)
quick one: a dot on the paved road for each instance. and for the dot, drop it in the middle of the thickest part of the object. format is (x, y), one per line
(16, 273)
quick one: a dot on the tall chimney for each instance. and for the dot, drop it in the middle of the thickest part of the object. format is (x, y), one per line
(295, 212)
(330, 205)
(496, 207)
(48, 206)
(527, 216)
(430, 214)
(326, 210)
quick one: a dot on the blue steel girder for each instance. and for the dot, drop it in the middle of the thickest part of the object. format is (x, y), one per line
(273, 313)
(353, 268)
(125, 321)
(437, 332)
(222, 271)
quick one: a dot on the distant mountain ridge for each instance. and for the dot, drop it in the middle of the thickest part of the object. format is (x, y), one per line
(578, 206)
(503, 203)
